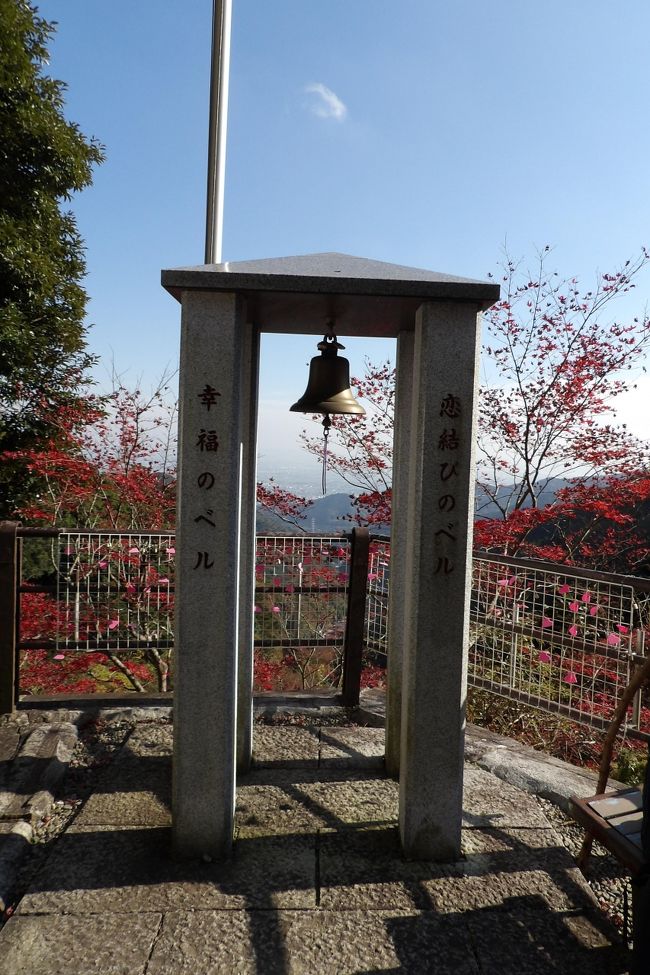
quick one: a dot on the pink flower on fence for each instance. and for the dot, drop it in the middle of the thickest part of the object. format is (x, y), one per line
(134, 551)
(573, 630)
(257, 609)
(563, 590)
(59, 656)
(586, 597)
(613, 639)
(170, 551)
(275, 609)
(544, 657)
(593, 610)
(546, 622)
(506, 582)
(622, 628)
(574, 606)
(570, 678)
(113, 624)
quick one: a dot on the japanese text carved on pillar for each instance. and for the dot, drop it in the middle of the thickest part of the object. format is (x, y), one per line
(445, 528)
(207, 444)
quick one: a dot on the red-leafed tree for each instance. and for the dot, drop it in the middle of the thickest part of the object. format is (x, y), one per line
(558, 477)
(555, 363)
(281, 504)
(602, 525)
(109, 463)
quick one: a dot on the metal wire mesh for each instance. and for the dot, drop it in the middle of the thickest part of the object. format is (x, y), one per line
(115, 591)
(560, 641)
(96, 613)
(300, 611)
(376, 624)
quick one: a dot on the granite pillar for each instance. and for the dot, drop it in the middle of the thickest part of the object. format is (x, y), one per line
(439, 542)
(207, 573)
(249, 397)
(398, 549)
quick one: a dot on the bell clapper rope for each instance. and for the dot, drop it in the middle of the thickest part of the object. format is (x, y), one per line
(327, 423)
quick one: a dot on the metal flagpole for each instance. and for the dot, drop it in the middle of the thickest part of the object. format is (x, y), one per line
(220, 64)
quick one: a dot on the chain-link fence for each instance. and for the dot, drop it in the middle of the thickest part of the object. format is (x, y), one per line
(562, 639)
(95, 613)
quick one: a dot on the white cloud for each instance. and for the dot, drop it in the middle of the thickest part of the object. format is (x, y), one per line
(325, 103)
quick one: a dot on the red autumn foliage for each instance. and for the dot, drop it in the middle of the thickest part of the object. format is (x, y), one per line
(603, 526)
(109, 463)
(556, 364)
(283, 503)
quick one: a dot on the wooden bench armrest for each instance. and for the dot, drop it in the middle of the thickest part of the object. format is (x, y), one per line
(614, 819)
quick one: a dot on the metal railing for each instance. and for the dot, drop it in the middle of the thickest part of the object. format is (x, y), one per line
(562, 639)
(98, 607)
(85, 610)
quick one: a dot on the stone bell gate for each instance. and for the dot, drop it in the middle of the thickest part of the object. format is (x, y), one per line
(435, 319)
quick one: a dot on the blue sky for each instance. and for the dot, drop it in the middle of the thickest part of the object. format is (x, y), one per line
(433, 133)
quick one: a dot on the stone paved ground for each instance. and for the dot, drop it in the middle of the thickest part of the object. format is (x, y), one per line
(316, 884)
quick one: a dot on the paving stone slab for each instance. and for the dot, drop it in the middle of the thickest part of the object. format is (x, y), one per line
(135, 789)
(95, 870)
(366, 870)
(298, 747)
(69, 945)
(220, 942)
(489, 801)
(524, 938)
(360, 800)
(144, 808)
(274, 808)
(132, 791)
(335, 797)
(352, 748)
(298, 800)
(311, 943)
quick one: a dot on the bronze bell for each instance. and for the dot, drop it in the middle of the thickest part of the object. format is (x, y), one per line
(328, 388)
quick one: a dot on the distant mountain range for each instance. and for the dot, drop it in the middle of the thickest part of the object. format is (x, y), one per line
(333, 513)
(485, 508)
(329, 514)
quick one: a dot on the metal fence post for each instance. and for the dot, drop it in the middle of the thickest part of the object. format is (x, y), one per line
(638, 644)
(9, 581)
(356, 616)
